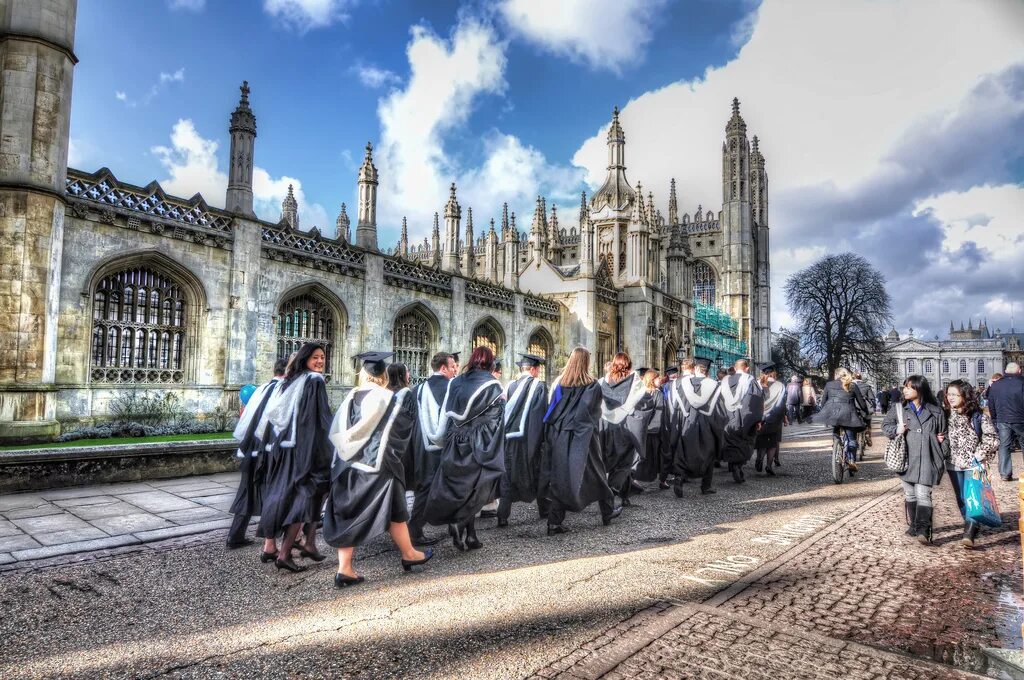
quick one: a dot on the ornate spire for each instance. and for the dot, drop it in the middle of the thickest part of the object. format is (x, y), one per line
(342, 224)
(469, 255)
(243, 145)
(435, 244)
(504, 219)
(553, 233)
(615, 192)
(736, 125)
(403, 241)
(639, 214)
(584, 213)
(492, 232)
(615, 133)
(537, 226)
(452, 208)
(512, 228)
(290, 209)
(366, 224)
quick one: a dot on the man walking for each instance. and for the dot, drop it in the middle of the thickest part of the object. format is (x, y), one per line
(426, 444)
(1006, 406)
(793, 401)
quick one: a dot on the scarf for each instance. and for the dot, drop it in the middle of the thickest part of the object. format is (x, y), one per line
(283, 408)
(350, 441)
(731, 399)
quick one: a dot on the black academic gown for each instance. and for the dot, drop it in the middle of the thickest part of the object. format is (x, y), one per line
(740, 427)
(422, 463)
(252, 466)
(295, 474)
(770, 433)
(368, 489)
(653, 464)
(623, 442)
(576, 473)
(524, 438)
(473, 459)
(700, 424)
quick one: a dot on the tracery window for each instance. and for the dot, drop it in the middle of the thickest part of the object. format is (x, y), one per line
(413, 337)
(306, 318)
(704, 283)
(487, 335)
(539, 344)
(132, 342)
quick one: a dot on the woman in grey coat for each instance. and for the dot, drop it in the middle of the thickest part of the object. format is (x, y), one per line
(924, 423)
(844, 410)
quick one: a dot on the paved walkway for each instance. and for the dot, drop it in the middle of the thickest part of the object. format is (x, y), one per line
(81, 519)
(858, 600)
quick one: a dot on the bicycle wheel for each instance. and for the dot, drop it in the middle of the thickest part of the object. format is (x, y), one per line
(838, 460)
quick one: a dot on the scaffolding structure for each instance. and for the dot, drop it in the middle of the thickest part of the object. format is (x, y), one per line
(716, 336)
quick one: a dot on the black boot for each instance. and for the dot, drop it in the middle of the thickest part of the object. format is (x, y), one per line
(923, 524)
(910, 510)
(472, 542)
(759, 461)
(971, 531)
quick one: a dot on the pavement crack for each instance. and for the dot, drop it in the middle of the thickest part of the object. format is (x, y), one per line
(591, 577)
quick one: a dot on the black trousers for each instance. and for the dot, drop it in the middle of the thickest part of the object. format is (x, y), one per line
(556, 512)
(236, 534)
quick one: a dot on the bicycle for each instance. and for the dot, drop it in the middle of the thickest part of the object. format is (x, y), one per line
(841, 460)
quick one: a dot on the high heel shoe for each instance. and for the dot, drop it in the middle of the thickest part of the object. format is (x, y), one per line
(407, 565)
(315, 556)
(343, 581)
(288, 565)
(267, 557)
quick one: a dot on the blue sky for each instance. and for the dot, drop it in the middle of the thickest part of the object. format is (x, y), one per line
(893, 129)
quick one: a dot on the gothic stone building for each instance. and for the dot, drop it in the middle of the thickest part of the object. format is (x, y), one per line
(108, 286)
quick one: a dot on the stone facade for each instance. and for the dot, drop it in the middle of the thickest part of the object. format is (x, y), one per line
(109, 287)
(972, 355)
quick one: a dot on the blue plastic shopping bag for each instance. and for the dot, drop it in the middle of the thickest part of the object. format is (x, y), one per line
(980, 498)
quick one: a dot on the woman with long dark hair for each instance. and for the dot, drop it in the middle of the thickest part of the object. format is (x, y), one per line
(473, 458)
(293, 431)
(576, 476)
(370, 434)
(973, 441)
(622, 436)
(924, 425)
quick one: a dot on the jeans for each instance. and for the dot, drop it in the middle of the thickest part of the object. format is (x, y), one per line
(1006, 436)
(957, 478)
(917, 493)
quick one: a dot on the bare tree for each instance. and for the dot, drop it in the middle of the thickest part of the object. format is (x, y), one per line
(842, 309)
(789, 359)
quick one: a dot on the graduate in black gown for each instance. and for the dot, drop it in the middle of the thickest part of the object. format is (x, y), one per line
(252, 466)
(427, 440)
(769, 434)
(700, 420)
(744, 405)
(293, 432)
(473, 459)
(653, 464)
(623, 427)
(370, 435)
(670, 425)
(526, 401)
(576, 474)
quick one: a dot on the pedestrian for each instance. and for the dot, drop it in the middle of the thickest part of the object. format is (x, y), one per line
(293, 432)
(769, 433)
(576, 464)
(526, 401)
(252, 467)
(472, 460)
(792, 405)
(808, 400)
(370, 433)
(722, 374)
(655, 464)
(972, 441)
(744, 405)
(895, 395)
(1006, 406)
(924, 425)
(700, 423)
(428, 440)
(622, 436)
(883, 401)
(844, 410)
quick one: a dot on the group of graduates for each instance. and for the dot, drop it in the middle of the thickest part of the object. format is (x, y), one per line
(460, 440)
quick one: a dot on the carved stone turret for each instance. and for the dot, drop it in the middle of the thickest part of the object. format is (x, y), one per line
(243, 143)
(366, 224)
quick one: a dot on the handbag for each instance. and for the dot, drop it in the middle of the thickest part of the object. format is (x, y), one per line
(896, 458)
(980, 503)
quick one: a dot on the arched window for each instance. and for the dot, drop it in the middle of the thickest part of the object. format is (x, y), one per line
(306, 318)
(540, 345)
(133, 309)
(981, 366)
(704, 283)
(928, 366)
(413, 339)
(911, 366)
(963, 367)
(945, 365)
(488, 334)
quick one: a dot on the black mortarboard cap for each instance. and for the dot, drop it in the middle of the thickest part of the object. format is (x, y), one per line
(640, 371)
(454, 355)
(703, 363)
(530, 360)
(375, 363)
(497, 365)
(671, 370)
(766, 367)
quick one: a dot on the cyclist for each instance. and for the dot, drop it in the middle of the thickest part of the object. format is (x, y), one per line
(843, 409)
(864, 440)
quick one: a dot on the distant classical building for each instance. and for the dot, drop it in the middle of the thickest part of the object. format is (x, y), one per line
(970, 354)
(108, 286)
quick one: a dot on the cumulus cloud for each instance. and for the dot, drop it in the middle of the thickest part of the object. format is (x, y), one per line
(176, 77)
(579, 29)
(374, 77)
(162, 82)
(852, 143)
(305, 15)
(191, 165)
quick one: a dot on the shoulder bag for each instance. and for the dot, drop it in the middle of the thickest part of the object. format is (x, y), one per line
(896, 450)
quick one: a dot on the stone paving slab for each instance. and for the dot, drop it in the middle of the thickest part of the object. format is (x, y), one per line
(156, 501)
(130, 524)
(113, 508)
(17, 542)
(38, 509)
(87, 533)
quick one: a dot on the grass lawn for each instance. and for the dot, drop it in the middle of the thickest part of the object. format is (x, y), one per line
(122, 440)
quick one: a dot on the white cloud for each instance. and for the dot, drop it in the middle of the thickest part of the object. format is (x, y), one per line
(305, 15)
(374, 78)
(830, 107)
(192, 167)
(121, 95)
(189, 5)
(176, 77)
(163, 81)
(988, 216)
(80, 153)
(603, 34)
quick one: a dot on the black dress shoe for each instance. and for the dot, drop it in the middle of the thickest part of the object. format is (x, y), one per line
(626, 502)
(636, 487)
(554, 529)
(235, 545)
(267, 557)
(607, 519)
(488, 514)
(663, 485)
(737, 474)
(315, 556)
(768, 470)
(677, 489)
(707, 492)
(407, 565)
(423, 539)
(458, 535)
(342, 581)
(502, 522)
(288, 565)
(759, 464)
(472, 542)
(1008, 478)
